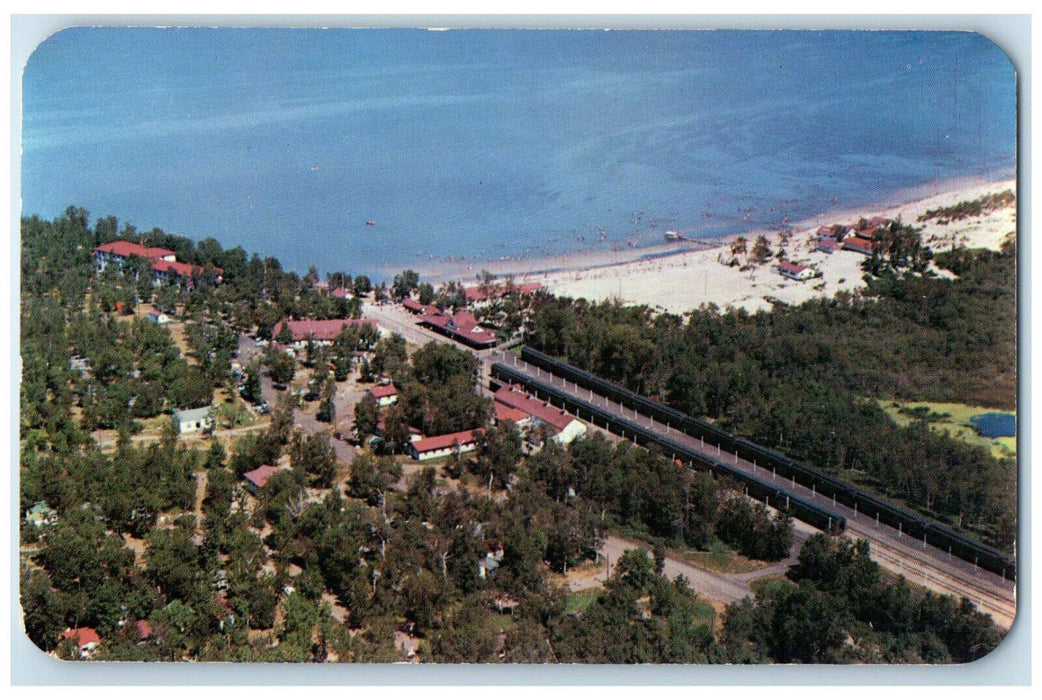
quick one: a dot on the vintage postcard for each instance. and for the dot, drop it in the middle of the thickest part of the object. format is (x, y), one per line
(517, 346)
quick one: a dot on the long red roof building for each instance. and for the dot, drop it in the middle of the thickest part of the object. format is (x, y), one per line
(324, 330)
(442, 445)
(126, 249)
(164, 262)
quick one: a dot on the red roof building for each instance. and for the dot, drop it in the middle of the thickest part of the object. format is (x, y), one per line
(126, 249)
(794, 271)
(84, 637)
(443, 445)
(480, 293)
(461, 326)
(510, 402)
(828, 245)
(167, 268)
(415, 307)
(164, 262)
(516, 399)
(319, 331)
(473, 294)
(381, 391)
(340, 293)
(858, 245)
(529, 288)
(385, 394)
(259, 477)
(504, 412)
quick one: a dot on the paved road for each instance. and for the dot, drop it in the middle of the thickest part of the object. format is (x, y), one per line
(918, 562)
(722, 588)
(718, 587)
(395, 319)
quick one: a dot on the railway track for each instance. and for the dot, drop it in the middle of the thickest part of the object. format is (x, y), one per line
(1002, 611)
(920, 563)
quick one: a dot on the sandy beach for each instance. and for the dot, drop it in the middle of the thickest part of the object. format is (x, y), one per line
(678, 277)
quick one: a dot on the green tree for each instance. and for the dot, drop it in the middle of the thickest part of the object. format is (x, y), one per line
(40, 610)
(761, 250)
(372, 477)
(173, 564)
(327, 407)
(281, 367)
(404, 284)
(314, 456)
(362, 286)
(251, 387)
(437, 363)
(367, 414)
(498, 453)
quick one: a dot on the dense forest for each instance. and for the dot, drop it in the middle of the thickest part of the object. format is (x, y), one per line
(802, 379)
(159, 547)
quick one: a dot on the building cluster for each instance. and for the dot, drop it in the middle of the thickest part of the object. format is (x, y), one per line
(858, 237)
(164, 263)
(534, 419)
(461, 326)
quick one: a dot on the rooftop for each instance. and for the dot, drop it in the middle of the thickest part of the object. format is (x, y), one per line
(326, 330)
(260, 476)
(193, 414)
(440, 442)
(176, 268)
(517, 399)
(789, 266)
(862, 245)
(461, 325)
(82, 635)
(481, 293)
(504, 412)
(383, 390)
(127, 248)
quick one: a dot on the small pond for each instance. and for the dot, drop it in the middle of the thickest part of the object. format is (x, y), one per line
(995, 425)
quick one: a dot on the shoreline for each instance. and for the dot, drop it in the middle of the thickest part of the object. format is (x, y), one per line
(680, 277)
(577, 261)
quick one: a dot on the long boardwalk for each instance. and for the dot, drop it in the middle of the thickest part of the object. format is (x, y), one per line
(918, 562)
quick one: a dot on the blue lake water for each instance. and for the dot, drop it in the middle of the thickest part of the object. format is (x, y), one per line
(994, 425)
(484, 143)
